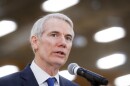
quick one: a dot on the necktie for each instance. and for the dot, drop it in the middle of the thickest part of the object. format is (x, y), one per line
(50, 81)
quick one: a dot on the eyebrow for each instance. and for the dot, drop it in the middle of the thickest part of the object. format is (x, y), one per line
(69, 35)
(59, 32)
(54, 32)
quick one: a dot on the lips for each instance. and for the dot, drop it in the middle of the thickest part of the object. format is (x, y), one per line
(60, 53)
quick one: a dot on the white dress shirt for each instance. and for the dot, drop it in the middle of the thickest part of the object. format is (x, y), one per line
(41, 76)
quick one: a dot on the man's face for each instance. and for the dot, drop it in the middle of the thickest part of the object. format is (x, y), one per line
(56, 42)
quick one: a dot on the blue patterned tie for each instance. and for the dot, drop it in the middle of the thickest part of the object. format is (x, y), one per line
(50, 81)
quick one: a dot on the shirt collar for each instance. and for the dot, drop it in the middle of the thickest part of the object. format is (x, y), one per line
(40, 75)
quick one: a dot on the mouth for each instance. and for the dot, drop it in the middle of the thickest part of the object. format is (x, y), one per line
(60, 53)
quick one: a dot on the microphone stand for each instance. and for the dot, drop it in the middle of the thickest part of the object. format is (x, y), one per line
(94, 83)
(93, 78)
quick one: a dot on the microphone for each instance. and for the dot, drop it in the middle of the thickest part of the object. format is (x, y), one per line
(94, 78)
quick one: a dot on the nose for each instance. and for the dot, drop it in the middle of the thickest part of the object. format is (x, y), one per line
(62, 42)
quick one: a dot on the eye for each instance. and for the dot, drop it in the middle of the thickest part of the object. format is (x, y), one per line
(69, 38)
(54, 35)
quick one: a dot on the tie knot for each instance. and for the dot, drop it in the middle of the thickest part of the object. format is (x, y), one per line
(51, 81)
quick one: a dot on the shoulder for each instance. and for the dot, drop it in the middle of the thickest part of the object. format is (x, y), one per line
(67, 82)
(12, 78)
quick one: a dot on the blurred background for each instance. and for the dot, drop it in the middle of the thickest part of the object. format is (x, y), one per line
(101, 44)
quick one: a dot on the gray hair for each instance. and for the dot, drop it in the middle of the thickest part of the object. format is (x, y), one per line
(37, 28)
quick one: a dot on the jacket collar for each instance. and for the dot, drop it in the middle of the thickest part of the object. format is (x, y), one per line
(28, 78)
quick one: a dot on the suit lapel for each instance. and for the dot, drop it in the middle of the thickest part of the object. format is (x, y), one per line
(28, 78)
(63, 81)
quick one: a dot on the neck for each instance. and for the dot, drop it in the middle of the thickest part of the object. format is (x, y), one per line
(51, 69)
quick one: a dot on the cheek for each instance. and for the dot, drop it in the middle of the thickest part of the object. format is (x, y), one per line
(44, 50)
(47, 46)
(69, 48)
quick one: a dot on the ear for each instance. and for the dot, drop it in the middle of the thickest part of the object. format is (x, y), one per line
(34, 42)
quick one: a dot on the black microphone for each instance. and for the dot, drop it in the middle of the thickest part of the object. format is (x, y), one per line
(94, 78)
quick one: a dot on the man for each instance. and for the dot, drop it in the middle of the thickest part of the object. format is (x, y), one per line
(51, 40)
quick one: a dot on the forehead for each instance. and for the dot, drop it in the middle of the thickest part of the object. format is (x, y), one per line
(59, 25)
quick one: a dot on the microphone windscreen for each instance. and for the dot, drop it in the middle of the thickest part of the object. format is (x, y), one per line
(71, 68)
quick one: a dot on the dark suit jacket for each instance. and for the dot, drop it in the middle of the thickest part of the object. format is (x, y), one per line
(26, 78)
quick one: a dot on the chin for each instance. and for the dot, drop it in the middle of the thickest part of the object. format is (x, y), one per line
(60, 63)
